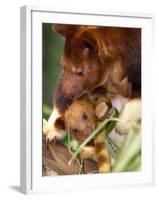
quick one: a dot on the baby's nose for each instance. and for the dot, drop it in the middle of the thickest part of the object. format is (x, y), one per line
(87, 130)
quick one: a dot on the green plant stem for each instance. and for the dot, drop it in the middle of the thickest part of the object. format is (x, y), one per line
(94, 133)
(135, 163)
(114, 145)
(110, 126)
(69, 147)
(132, 146)
(111, 150)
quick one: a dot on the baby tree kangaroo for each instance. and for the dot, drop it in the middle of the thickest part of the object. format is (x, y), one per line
(80, 120)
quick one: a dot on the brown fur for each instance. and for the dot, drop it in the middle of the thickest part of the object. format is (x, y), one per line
(99, 147)
(79, 119)
(99, 56)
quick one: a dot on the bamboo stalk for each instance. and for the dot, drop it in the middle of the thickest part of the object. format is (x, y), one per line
(135, 163)
(111, 150)
(94, 133)
(131, 146)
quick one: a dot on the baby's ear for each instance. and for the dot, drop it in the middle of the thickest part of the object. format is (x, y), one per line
(64, 30)
(59, 123)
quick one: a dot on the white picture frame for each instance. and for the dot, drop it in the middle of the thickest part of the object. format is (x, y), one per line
(31, 100)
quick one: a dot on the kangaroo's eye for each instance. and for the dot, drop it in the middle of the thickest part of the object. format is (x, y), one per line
(89, 45)
(84, 117)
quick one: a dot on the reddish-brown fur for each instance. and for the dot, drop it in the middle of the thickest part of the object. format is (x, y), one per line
(95, 57)
(79, 119)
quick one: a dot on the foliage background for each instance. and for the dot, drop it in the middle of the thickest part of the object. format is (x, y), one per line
(52, 49)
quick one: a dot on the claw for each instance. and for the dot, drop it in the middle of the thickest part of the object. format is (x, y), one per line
(50, 132)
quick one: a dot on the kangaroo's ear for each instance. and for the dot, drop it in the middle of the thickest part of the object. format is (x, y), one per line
(59, 123)
(65, 30)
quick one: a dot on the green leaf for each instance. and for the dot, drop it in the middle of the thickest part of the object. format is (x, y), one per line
(111, 125)
(130, 148)
(47, 110)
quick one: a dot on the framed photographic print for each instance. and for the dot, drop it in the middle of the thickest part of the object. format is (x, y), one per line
(86, 100)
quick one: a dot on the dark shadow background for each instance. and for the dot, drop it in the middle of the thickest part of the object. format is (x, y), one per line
(52, 49)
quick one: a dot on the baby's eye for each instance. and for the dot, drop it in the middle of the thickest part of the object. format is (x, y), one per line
(84, 117)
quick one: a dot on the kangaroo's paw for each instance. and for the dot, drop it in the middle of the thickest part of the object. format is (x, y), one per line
(49, 129)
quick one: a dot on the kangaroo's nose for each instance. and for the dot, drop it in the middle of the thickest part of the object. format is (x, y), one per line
(77, 71)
